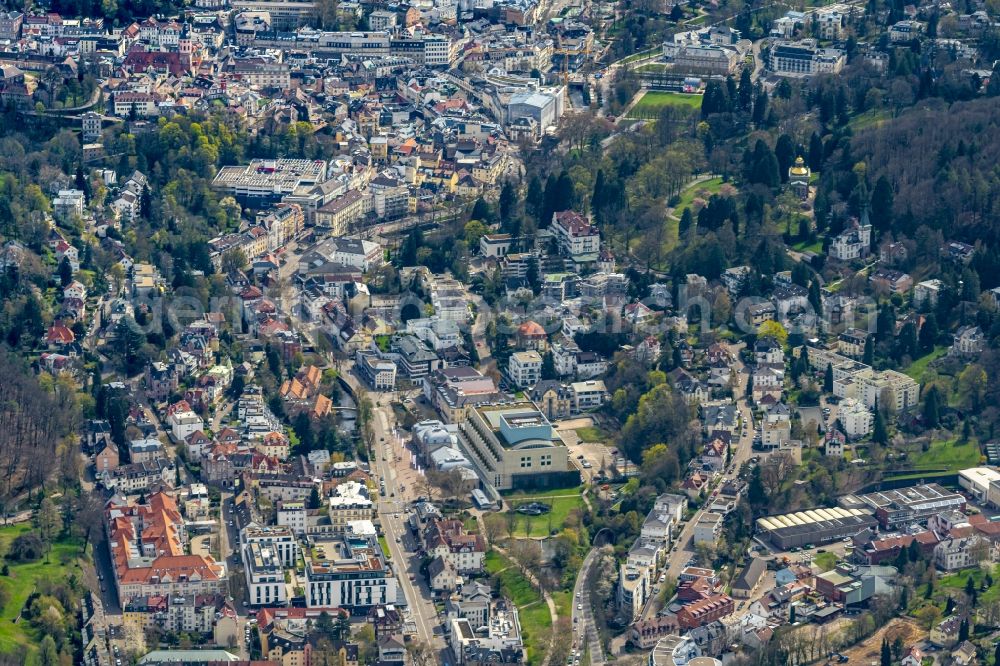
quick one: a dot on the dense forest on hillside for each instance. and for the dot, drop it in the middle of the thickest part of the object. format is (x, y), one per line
(940, 161)
(34, 426)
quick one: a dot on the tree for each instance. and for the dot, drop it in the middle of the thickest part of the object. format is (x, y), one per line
(47, 519)
(929, 615)
(880, 433)
(365, 638)
(745, 91)
(815, 296)
(481, 210)
(49, 655)
(676, 14)
(828, 379)
(421, 654)
(534, 200)
(756, 494)
(773, 329)
(886, 653)
(760, 105)
(764, 168)
(474, 230)
(507, 206)
(881, 203)
(548, 366)
(869, 354)
(816, 153)
(685, 224)
(233, 261)
(315, 502)
(65, 272)
(963, 630)
(493, 527)
(784, 152)
(931, 412)
(928, 334)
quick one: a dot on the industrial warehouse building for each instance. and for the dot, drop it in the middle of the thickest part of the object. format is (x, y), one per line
(982, 483)
(815, 526)
(903, 506)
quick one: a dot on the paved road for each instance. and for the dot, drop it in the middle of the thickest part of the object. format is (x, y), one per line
(585, 635)
(684, 549)
(229, 540)
(392, 514)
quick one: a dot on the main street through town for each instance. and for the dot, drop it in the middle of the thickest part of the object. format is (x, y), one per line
(391, 464)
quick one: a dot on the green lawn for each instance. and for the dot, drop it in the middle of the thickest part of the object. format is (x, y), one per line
(869, 119)
(385, 546)
(657, 67)
(564, 602)
(919, 367)
(639, 56)
(538, 526)
(805, 246)
(517, 588)
(494, 562)
(948, 454)
(702, 190)
(958, 581)
(63, 560)
(648, 107)
(825, 561)
(591, 434)
(536, 621)
(536, 625)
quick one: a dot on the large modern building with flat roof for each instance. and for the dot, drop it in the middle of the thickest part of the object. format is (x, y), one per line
(903, 506)
(515, 446)
(265, 182)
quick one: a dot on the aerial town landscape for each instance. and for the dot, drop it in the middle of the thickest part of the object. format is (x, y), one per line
(499, 332)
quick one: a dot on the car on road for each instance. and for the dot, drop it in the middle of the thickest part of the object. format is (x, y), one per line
(579, 607)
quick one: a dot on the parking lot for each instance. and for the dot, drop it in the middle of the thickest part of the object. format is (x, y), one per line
(842, 549)
(588, 457)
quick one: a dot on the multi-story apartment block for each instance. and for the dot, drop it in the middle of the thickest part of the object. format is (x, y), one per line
(292, 514)
(577, 238)
(265, 575)
(805, 58)
(350, 502)
(278, 539)
(525, 368)
(349, 572)
(146, 543)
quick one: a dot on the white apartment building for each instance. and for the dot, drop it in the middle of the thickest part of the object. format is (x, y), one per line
(707, 529)
(279, 539)
(293, 516)
(577, 238)
(525, 368)
(856, 419)
(265, 576)
(350, 574)
(588, 395)
(184, 423)
(349, 502)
